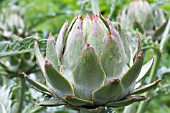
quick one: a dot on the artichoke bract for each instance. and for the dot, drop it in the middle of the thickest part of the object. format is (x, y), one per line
(141, 15)
(90, 66)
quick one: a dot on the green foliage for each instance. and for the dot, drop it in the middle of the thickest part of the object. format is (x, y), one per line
(20, 46)
(44, 16)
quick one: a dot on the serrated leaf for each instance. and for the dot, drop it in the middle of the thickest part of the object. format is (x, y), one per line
(4, 46)
(20, 46)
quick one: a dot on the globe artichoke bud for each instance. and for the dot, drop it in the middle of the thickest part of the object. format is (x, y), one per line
(141, 15)
(90, 66)
(13, 66)
(12, 24)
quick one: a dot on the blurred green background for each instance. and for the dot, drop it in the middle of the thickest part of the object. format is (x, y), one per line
(45, 16)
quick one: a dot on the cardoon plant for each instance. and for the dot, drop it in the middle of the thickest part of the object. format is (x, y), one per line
(90, 67)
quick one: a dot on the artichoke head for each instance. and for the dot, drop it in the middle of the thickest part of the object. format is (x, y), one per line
(13, 66)
(140, 15)
(91, 66)
(12, 24)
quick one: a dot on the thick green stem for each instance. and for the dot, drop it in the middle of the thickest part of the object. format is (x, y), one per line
(97, 110)
(21, 94)
(95, 7)
(143, 105)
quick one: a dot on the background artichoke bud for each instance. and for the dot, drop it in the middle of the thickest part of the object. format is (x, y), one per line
(14, 65)
(140, 15)
(89, 67)
(12, 23)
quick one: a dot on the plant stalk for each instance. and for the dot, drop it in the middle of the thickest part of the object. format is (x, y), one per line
(143, 105)
(21, 94)
(95, 7)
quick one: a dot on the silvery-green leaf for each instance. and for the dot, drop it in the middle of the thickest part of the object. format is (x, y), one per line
(44, 92)
(87, 23)
(146, 87)
(39, 57)
(61, 40)
(112, 57)
(145, 69)
(126, 102)
(72, 23)
(77, 24)
(96, 37)
(105, 22)
(77, 101)
(74, 46)
(37, 85)
(108, 92)
(129, 78)
(59, 84)
(114, 32)
(88, 74)
(51, 102)
(126, 44)
(51, 52)
(101, 24)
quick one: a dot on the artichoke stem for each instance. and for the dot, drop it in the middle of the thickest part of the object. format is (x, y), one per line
(143, 105)
(99, 110)
(21, 94)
